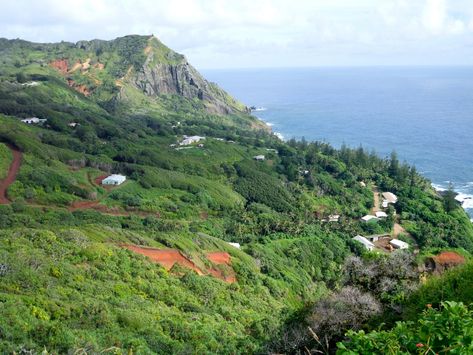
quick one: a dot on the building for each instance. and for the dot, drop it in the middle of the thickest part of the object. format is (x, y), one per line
(73, 124)
(33, 120)
(114, 179)
(369, 218)
(334, 218)
(236, 245)
(398, 244)
(385, 204)
(259, 157)
(389, 197)
(366, 243)
(362, 184)
(381, 214)
(191, 139)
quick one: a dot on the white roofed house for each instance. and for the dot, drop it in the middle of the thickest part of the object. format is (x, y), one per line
(191, 139)
(381, 214)
(369, 218)
(259, 157)
(114, 179)
(334, 218)
(33, 120)
(366, 243)
(389, 197)
(398, 244)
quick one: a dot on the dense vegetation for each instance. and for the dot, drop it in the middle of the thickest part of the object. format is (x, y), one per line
(68, 285)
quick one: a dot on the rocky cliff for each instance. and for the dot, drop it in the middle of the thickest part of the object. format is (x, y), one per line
(165, 72)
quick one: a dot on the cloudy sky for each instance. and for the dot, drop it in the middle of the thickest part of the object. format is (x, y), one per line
(263, 33)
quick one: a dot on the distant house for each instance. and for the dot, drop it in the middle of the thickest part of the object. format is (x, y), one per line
(73, 124)
(33, 120)
(236, 245)
(369, 218)
(191, 139)
(200, 145)
(381, 214)
(366, 243)
(389, 197)
(114, 179)
(375, 237)
(259, 157)
(398, 244)
(334, 218)
(362, 184)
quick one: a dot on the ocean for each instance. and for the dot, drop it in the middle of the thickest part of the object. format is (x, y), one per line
(425, 114)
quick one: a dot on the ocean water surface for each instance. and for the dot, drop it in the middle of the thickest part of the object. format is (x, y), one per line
(425, 114)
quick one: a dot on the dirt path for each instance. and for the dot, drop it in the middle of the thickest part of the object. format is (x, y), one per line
(398, 229)
(11, 176)
(375, 200)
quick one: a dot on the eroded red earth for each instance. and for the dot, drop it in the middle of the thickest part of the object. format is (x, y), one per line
(169, 257)
(11, 176)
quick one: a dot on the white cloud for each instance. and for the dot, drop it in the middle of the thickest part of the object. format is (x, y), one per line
(260, 32)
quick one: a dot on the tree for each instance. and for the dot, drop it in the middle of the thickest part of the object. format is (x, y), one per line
(449, 201)
(393, 165)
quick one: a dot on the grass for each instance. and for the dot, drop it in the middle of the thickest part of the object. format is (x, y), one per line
(5, 160)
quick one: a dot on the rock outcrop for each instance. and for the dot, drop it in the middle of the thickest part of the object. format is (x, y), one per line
(165, 72)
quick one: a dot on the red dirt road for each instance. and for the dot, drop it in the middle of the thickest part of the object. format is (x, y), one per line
(11, 176)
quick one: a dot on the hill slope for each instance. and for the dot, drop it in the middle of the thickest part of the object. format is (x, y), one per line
(73, 266)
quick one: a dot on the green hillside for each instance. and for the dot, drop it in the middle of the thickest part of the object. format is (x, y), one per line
(71, 279)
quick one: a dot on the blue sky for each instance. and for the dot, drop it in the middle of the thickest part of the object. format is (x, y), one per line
(263, 33)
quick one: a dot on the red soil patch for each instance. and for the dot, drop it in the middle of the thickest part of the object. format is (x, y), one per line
(99, 66)
(165, 257)
(98, 180)
(218, 257)
(83, 205)
(169, 257)
(60, 64)
(11, 176)
(80, 88)
(221, 258)
(448, 259)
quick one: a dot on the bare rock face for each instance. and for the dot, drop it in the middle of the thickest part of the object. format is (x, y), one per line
(177, 77)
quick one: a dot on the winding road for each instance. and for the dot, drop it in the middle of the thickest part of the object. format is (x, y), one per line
(11, 176)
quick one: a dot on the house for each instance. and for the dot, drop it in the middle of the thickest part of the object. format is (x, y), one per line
(385, 204)
(375, 237)
(200, 145)
(259, 157)
(366, 243)
(191, 139)
(73, 124)
(362, 184)
(334, 218)
(33, 120)
(389, 197)
(398, 244)
(236, 245)
(381, 214)
(369, 218)
(114, 179)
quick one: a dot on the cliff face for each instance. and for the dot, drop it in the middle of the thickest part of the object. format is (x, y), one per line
(165, 72)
